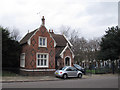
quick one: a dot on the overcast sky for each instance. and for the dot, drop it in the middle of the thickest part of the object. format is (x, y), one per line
(90, 17)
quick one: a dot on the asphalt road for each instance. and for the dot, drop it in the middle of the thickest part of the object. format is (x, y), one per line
(110, 81)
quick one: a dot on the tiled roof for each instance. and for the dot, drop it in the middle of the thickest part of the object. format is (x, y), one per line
(59, 39)
(26, 37)
(61, 43)
(58, 50)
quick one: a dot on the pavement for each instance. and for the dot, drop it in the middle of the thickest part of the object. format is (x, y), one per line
(9, 79)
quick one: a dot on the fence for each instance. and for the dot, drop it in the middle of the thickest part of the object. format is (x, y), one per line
(102, 70)
(95, 67)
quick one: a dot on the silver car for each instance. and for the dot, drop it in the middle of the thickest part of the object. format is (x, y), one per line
(68, 71)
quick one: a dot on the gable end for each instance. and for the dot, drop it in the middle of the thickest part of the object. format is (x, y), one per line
(67, 46)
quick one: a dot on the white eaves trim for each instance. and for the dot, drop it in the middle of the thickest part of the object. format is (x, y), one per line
(32, 36)
(67, 40)
(28, 41)
(35, 33)
(53, 40)
(67, 46)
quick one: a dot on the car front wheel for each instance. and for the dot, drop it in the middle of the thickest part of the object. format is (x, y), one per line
(65, 76)
(79, 75)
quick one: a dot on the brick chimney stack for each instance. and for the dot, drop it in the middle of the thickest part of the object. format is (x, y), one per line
(43, 21)
(51, 31)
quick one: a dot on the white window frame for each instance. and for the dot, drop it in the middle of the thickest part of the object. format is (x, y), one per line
(47, 62)
(22, 60)
(42, 42)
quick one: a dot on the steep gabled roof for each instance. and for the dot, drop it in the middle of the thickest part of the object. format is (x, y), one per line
(59, 39)
(62, 44)
(67, 46)
(58, 50)
(26, 37)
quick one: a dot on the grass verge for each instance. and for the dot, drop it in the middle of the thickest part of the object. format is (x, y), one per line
(8, 73)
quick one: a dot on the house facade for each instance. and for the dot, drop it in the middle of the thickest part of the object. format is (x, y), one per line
(44, 51)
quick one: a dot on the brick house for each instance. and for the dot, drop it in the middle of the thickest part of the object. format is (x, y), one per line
(44, 51)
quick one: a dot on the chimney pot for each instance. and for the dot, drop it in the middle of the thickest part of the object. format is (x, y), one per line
(43, 21)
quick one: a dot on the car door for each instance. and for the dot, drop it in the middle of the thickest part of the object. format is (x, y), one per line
(74, 72)
(69, 72)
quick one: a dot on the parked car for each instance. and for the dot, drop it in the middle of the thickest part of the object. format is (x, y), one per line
(68, 71)
(78, 67)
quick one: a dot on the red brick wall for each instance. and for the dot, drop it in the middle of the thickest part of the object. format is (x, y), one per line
(68, 53)
(26, 50)
(61, 63)
(62, 60)
(36, 73)
(33, 48)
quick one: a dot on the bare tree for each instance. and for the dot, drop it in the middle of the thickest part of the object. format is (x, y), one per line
(92, 49)
(69, 32)
(65, 30)
(74, 36)
(94, 44)
(15, 34)
(83, 49)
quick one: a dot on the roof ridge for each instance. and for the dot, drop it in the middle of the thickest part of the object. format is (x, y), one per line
(33, 31)
(56, 34)
(27, 36)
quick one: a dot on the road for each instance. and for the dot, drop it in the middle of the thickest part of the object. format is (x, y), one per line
(110, 81)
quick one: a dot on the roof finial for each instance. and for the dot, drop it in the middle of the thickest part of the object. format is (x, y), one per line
(43, 21)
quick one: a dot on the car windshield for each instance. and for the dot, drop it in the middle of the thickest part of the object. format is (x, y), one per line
(63, 68)
(77, 66)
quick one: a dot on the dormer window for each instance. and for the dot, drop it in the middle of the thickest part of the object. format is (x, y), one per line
(42, 42)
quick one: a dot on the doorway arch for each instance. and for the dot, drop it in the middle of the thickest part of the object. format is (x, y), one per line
(67, 61)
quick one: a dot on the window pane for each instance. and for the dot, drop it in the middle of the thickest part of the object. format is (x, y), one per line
(45, 56)
(41, 56)
(38, 55)
(41, 62)
(22, 56)
(45, 62)
(38, 62)
(43, 41)
(22, 60)
(40, 41)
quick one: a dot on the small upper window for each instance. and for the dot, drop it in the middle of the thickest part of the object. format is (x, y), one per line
(42, 42)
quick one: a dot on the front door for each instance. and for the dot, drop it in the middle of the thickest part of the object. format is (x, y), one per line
(67, 61)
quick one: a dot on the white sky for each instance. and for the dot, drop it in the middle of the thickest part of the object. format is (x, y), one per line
(90, 17)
